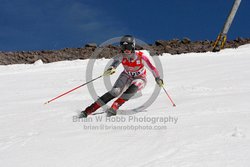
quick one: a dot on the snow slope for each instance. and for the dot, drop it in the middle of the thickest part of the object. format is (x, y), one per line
(212, 128)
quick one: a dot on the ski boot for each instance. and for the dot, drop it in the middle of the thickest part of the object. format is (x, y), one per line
(90, 109)
(83, 114)
(115, 106)
(111, 112)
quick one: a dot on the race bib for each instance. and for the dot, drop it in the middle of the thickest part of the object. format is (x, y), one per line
(135, 73)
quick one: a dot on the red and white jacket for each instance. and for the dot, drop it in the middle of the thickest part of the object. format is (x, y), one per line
(134, 64)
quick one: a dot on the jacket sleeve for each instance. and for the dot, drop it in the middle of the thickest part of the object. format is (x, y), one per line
(152, 68)
(116, 61)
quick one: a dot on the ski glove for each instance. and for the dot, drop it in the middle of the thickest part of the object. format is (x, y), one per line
(159, 81)
(109, 71)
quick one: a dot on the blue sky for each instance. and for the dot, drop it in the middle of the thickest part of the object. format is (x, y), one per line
(56, 24)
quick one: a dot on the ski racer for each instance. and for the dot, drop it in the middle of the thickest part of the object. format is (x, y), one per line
(130, 81)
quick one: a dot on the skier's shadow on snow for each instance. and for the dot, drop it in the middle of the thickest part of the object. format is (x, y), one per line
(130, 112)
(121, 112)
(124, 112)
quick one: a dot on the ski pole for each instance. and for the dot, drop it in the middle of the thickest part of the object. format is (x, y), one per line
(169, 97)
(72, 90)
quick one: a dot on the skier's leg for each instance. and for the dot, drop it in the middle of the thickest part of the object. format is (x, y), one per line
(130, 92)
(120, 85)
(136, 85)
(104, 99)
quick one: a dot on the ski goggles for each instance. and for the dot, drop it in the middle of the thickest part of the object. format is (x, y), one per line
(128, 46)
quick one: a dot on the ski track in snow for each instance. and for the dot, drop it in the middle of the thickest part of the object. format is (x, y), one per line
(211, 91)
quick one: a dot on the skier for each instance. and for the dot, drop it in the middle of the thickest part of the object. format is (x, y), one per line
(130, 81)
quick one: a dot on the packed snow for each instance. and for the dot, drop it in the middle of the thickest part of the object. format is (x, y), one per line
(210, 126)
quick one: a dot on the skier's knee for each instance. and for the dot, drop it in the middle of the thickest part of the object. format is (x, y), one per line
(115, 92)
(130, 92)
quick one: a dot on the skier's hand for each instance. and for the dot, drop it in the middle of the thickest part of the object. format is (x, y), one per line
(159, 81)
(109, 71)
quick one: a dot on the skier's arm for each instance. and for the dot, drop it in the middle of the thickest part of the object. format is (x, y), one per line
(154, 70)
(151, 66)
(116, 62)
